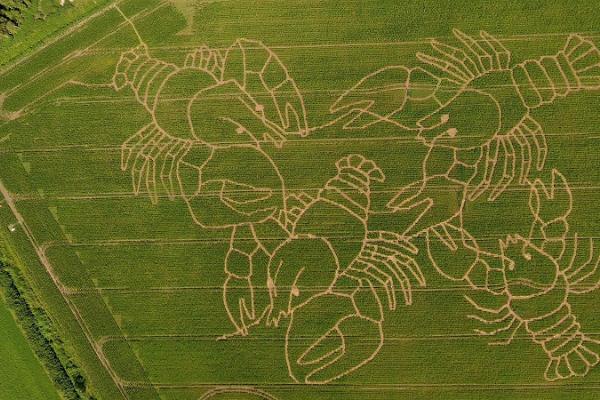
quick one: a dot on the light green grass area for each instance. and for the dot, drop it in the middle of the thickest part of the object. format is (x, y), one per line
(138, 291)
(23, 376)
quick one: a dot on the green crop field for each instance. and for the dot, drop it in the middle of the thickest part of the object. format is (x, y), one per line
(24, 378)
(308, 199)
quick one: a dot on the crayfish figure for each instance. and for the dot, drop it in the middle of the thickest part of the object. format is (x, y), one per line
(209, 120)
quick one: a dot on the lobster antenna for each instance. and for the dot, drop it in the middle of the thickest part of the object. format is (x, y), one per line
(126, 18)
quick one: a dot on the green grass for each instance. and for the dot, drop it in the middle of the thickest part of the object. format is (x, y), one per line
(23, 376)
(43, 20)
(146, 281)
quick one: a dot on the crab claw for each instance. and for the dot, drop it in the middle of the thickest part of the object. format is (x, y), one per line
(328, 338)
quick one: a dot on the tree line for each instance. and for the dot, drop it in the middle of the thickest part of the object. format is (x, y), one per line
(12, 15)
(44, 340)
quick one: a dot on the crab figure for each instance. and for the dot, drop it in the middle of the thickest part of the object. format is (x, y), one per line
(208, 119)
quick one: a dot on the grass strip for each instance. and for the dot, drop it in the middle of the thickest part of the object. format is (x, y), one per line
(45, 342)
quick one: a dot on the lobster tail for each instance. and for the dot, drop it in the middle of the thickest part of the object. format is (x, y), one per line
(575, 67)
(584, 58)
(143, 74)
(576, 362)
(570, 351)
(351, 187)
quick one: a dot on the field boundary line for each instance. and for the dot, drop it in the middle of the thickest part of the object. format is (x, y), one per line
(424, 40)
(40, 252)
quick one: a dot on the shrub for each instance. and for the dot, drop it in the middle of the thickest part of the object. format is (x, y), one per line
(12, 14)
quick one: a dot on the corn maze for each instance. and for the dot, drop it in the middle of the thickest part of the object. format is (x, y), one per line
(313, 200)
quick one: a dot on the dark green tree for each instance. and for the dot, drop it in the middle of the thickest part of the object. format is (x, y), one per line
(12, 14)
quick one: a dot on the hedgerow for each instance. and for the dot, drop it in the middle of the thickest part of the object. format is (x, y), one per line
(43, 338)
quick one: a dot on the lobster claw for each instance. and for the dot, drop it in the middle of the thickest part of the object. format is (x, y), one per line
(238, 296)
(427, 203)
(456, 255)
(551, 205)
(394, 94)
(326, 339)
(375, 97)
(279, 107)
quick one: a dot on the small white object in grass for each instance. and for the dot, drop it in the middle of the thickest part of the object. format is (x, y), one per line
(62, 2)
(12, 227)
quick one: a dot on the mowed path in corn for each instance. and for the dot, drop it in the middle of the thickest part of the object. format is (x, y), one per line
(137, 287)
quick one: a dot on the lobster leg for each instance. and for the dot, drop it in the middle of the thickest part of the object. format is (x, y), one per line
(245, 265)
